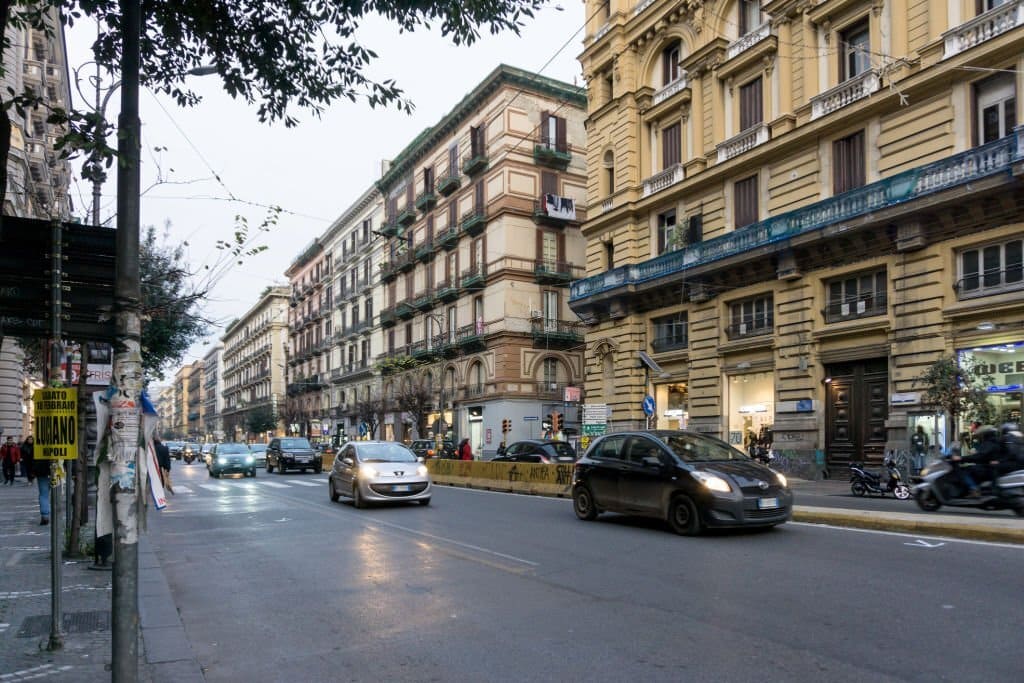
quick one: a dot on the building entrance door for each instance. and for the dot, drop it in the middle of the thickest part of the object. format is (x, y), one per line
(856, 408)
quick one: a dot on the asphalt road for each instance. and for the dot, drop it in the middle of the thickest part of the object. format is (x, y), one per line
(276, 583)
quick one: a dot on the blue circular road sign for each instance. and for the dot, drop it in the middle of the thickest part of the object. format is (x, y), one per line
(648, 405)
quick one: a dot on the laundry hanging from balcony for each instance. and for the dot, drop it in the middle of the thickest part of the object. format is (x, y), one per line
(560, 207)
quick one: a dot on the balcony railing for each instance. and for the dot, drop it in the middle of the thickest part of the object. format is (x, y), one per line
(659, 181)
(474, 163)
(676, 86)
(983, 27)
(388, 317)
(550, 388)
(847, 92)
(556, 332)
(448, 182)
(837, 311)
(474, 278)
(958, 169)
(554, 272)
(425, 250)
(474, 223)
(750, 328)
(551, 209)
(405, 310)
(748, 41)
(407, 216)
(446, 291)
(423, 301)
(445, 344)
(745, 141)
(449, 238)
(426, 200)
(671, 342)
(552, 153)
(471, 337)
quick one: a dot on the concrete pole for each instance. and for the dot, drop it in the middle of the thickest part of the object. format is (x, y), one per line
(127, 370)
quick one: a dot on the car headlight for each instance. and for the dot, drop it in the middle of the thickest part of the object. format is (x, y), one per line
(782, 480)
(924, 471)
(712, 481)
(422, 470)
(222, 461)
(367, 471)
(248, 460)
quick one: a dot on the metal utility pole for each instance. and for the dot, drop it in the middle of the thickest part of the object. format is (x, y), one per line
(56, 466)
(127, 370)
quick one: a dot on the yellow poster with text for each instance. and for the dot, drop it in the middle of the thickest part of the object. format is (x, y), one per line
(56, 424)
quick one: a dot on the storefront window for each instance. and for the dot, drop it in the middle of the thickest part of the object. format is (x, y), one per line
(751, 408)
(671, 401)
(1004, 363)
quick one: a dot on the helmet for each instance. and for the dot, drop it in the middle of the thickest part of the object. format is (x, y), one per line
(986, 433)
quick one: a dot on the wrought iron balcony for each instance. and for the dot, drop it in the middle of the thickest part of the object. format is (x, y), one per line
(448, 182)
(445, 345)
(425, 251)
(953, 171)
(422, 352)
(554, 272)
(426, 200)
(473, 164)
(406, 261)
(405, 310)
(754, 327)
(449, 239)
(552, 153)
(446, 291)
(474, 278)
(407, 216)
(424, 301)
(549, 333)
(554, 210)
(474, 223)
(391, 228)
(388, 317)
(471, 337)
(388, 271)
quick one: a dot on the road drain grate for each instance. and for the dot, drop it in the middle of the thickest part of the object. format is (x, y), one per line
(73, 622)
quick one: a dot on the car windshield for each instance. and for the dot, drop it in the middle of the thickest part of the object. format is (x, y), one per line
(384, 452)
(257, 447)
(693, 448)
(295, 443)
(232, 448)
(563, 449)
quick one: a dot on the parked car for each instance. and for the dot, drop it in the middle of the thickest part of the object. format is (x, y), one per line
(175, 448)
(425, 448)
(292, 453)
(543, 451)
(231, 458)
(691, 480)
(259, 453)
(379, 472)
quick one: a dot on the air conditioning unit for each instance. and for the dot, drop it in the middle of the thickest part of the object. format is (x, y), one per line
(535, 314)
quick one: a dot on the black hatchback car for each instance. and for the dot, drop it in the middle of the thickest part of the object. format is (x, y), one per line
(545, 451)
(691, 480)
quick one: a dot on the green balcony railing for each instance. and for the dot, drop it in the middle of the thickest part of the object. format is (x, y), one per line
(556, 332)
(425, 251)
(474, 223)
(407, 216)
(471, 165)
(956, 170)
(426, 200)
(549, 153)
(449, 239)
(448, 183)
(405, 310)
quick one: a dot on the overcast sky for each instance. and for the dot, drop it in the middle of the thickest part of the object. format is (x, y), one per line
(316, 170)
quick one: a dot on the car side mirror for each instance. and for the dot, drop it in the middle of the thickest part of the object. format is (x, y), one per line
(348, 461)
(652, 461)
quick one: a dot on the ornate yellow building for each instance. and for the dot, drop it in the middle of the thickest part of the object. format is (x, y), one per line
(795, 207)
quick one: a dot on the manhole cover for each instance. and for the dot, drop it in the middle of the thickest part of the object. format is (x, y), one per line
(73, 622)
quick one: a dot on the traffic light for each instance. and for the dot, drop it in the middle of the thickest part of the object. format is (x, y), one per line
(548, 422)
(506, 425)
(556, 421)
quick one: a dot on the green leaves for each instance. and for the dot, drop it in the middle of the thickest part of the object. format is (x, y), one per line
(958, 386)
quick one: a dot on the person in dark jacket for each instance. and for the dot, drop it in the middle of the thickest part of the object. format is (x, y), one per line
(986, 454)
(163, 458)
(10, 454)
(27, 446)
(39, 470)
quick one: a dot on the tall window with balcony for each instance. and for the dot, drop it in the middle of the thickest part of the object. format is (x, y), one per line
(671, 145)
(550, 370)
(552, 132)
(854, 50)
(857, 296)
(995, 103)
(670, 333)
(749, 16)
(751, 317)
(745, 201)
(667, 231)
(549, 309)
(848, 168)
(547, 248)
(751, 104)
(670, 70)
(991, 269)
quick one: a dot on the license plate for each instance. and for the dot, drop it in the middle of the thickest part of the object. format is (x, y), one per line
(401, 488)
(302, 458)
(767, 503)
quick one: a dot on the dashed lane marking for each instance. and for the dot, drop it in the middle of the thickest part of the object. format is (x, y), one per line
(273, 484)
(320, 480)
(302, 482)
(183, 489)
(214, 487)
(35, 672)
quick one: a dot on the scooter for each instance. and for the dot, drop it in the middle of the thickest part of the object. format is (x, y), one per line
(863, 482)
(762, 454)
(940, 485)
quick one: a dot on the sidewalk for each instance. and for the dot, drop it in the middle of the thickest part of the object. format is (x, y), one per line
(25, 608)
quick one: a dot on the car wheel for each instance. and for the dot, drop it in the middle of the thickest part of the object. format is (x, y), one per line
(280, 468)
(334, 494)
(357, 497)
(902, 492)
(1019, 511)
(583, 503)
(270, 468)
(216, 475)
(858, 488)
(209, 472)
(252, 473)
(424, 501)
(927, 501)
(683, 517)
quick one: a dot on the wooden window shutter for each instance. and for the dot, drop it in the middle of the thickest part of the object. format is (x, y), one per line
(430, 228)
(671, 153)
(453, 161)
(548, 182)
(751, 99)
(545, 118)
(695, 229)
(540, 244)
(666, 68)
(561, 247)
(409, 194)
(561, 144)
(478, 196)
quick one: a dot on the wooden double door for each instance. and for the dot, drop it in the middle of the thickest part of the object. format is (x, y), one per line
(857, 406)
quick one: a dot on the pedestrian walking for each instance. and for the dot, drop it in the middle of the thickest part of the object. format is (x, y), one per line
(39, 470)
(10, 454)
(27, 446)
(163, 458)
(918, 447)
(465, 450)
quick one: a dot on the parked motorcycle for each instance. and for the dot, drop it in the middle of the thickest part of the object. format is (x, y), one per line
(863, 482)
(941, 485)
(762, 454)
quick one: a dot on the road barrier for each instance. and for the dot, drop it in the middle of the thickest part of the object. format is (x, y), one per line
(516, 477)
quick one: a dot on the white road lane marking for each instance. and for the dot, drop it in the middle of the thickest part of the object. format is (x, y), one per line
(214, 487)
(273, 484)
(183, 489)
(302, 482)
(320, 481)
(452, 541)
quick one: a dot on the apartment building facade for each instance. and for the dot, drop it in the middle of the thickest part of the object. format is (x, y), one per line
(196, 398)
(310, 332)
(37, 179)
(179, 402)
(254, 367)
(213, 393)
(795, 209)
(482, 215)
(356, 245)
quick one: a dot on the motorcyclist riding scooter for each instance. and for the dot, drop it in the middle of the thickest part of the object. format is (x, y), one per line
(947, 482)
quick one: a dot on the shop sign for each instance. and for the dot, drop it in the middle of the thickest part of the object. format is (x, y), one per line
(905, 398)
(572, 395)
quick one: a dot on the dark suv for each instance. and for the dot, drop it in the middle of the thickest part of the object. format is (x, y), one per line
(545, 451)
(292, 453)
(426, 448)
(691, 480)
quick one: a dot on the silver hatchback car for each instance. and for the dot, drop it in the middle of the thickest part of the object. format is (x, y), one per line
(379, 472)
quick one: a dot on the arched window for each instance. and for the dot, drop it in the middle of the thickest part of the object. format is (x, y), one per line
(476, 379)
(609, 173)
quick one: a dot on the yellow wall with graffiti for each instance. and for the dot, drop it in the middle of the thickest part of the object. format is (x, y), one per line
(517, 477)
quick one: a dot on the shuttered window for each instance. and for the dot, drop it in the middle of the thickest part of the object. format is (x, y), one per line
(745, 201)
(848, 163)
(751, 104)
(671, 146)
